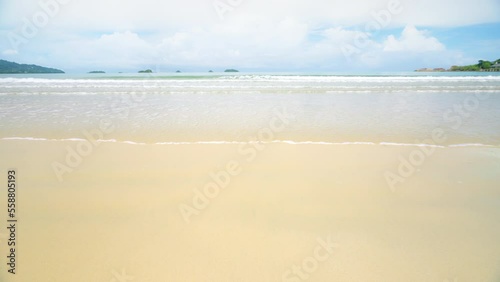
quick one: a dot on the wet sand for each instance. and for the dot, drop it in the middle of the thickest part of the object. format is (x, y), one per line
(118, 215)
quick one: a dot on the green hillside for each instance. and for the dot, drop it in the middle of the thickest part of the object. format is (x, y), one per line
(11, 67)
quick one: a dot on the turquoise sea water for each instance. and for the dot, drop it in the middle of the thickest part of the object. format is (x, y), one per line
(396, 108)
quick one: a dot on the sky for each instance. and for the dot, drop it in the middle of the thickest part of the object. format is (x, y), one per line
(249, 35)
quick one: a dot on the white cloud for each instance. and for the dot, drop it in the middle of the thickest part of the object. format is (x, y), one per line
(121, 15)
(412, 39)
(409, 50)
(245, 48)
(449, 13)
(9, 52)
(129, 34)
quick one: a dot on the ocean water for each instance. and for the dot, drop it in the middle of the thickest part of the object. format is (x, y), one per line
(394, 212)
(388, 109)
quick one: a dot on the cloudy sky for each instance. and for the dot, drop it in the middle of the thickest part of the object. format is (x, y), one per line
(251, 35)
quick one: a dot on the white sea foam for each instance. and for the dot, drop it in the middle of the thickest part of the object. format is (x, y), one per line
(26, 138)
(289, 142)
(411, 145)
(264, 78)
(471, 145)
(249, 84)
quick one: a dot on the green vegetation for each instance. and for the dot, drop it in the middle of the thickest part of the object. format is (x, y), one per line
(11, 67)
(97, 72)
(146, 71)
(231, 70)
(480, 66)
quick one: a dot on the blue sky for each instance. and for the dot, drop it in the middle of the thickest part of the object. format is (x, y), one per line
(253, 35)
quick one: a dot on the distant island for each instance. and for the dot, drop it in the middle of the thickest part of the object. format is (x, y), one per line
(12, 68)
(146, 71)
(231, 70)
(431, 70)
(480, 66)
(97, 72)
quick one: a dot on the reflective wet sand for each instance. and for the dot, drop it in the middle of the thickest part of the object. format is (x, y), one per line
(143, 213)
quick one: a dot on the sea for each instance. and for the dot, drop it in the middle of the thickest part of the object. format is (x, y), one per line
(251, 176)
(399, 109)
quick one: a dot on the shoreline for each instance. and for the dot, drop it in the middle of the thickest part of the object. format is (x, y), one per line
(220, 142)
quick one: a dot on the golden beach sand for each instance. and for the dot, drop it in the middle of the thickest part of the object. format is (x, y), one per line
(117, 216)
